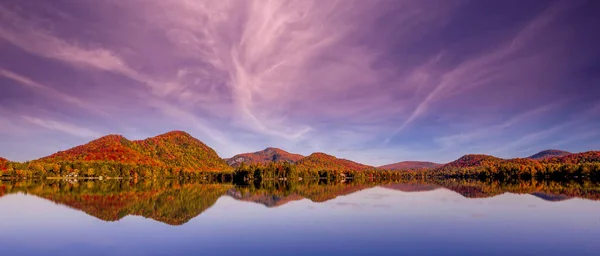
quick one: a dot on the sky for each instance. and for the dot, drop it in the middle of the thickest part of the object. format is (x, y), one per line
(373, 81)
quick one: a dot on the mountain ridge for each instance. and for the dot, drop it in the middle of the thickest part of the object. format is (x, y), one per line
(173, 149)
(177, 150)
(269, 154)
(549, 153)
(319, 161)
(473, 160)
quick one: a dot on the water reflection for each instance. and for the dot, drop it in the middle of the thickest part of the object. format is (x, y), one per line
(175, 202)
(168, 217)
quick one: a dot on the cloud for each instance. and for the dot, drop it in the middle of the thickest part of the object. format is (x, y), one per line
(43, 43)
(62, 127)
(485, 69)
(49, 91)
(310, 75)
(281, 59)
(454, 140)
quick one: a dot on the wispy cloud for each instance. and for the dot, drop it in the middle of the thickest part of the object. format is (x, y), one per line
(455, 140)
(485, 69)
(284, 58)
(67, 128)
(49, 91)
(306, 75)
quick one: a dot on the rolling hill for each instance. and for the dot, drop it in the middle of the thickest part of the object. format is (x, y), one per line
(474, 160)
(549, 153)
(409, 165)
(322, 161)
(173, 149)
(263, 157)
(179, 149)
(110, 148)
(577, 158)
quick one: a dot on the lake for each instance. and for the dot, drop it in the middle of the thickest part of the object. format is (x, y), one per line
(178, 218)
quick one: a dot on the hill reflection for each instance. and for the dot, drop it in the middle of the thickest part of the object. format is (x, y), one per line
(175, 202)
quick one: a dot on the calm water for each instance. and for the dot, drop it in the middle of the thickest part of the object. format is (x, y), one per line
(72, 219)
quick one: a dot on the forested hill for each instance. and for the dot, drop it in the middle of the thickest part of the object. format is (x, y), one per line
(180, 149)
(173, 149)
(474, 160)
(578, 158)
(322, 161)
(264, 157)
(549, 154)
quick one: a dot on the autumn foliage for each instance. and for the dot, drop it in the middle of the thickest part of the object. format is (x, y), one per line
(264, 157)
(322, 161)
(3, 164)
(179, 149)
(584, 157)
(110, 148)
(549, 153)
(586, 164)
(170, 150)
(474, 160)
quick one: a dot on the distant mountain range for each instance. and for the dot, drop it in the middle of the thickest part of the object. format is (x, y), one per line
(180, 150)
(491, 161)
(263, 157)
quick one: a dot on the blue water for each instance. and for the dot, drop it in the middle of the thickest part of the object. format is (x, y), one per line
(374, 221)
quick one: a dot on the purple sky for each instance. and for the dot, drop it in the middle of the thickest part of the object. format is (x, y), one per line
(373, 81)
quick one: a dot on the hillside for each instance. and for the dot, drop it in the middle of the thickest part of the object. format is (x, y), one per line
(179, 149)
(263, 157)
(110, 148)
(548, 154)
(584, 157)
(473, 160)
(173, 149)
(409, 165)
(322, 161)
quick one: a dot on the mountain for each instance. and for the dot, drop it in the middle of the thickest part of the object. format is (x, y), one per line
(179, 149)
(110, 148)
(548, 154)
(265, 156)
(474, 160)
(322, 161)
(173, 149)
(409, 165)
(583, 157)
